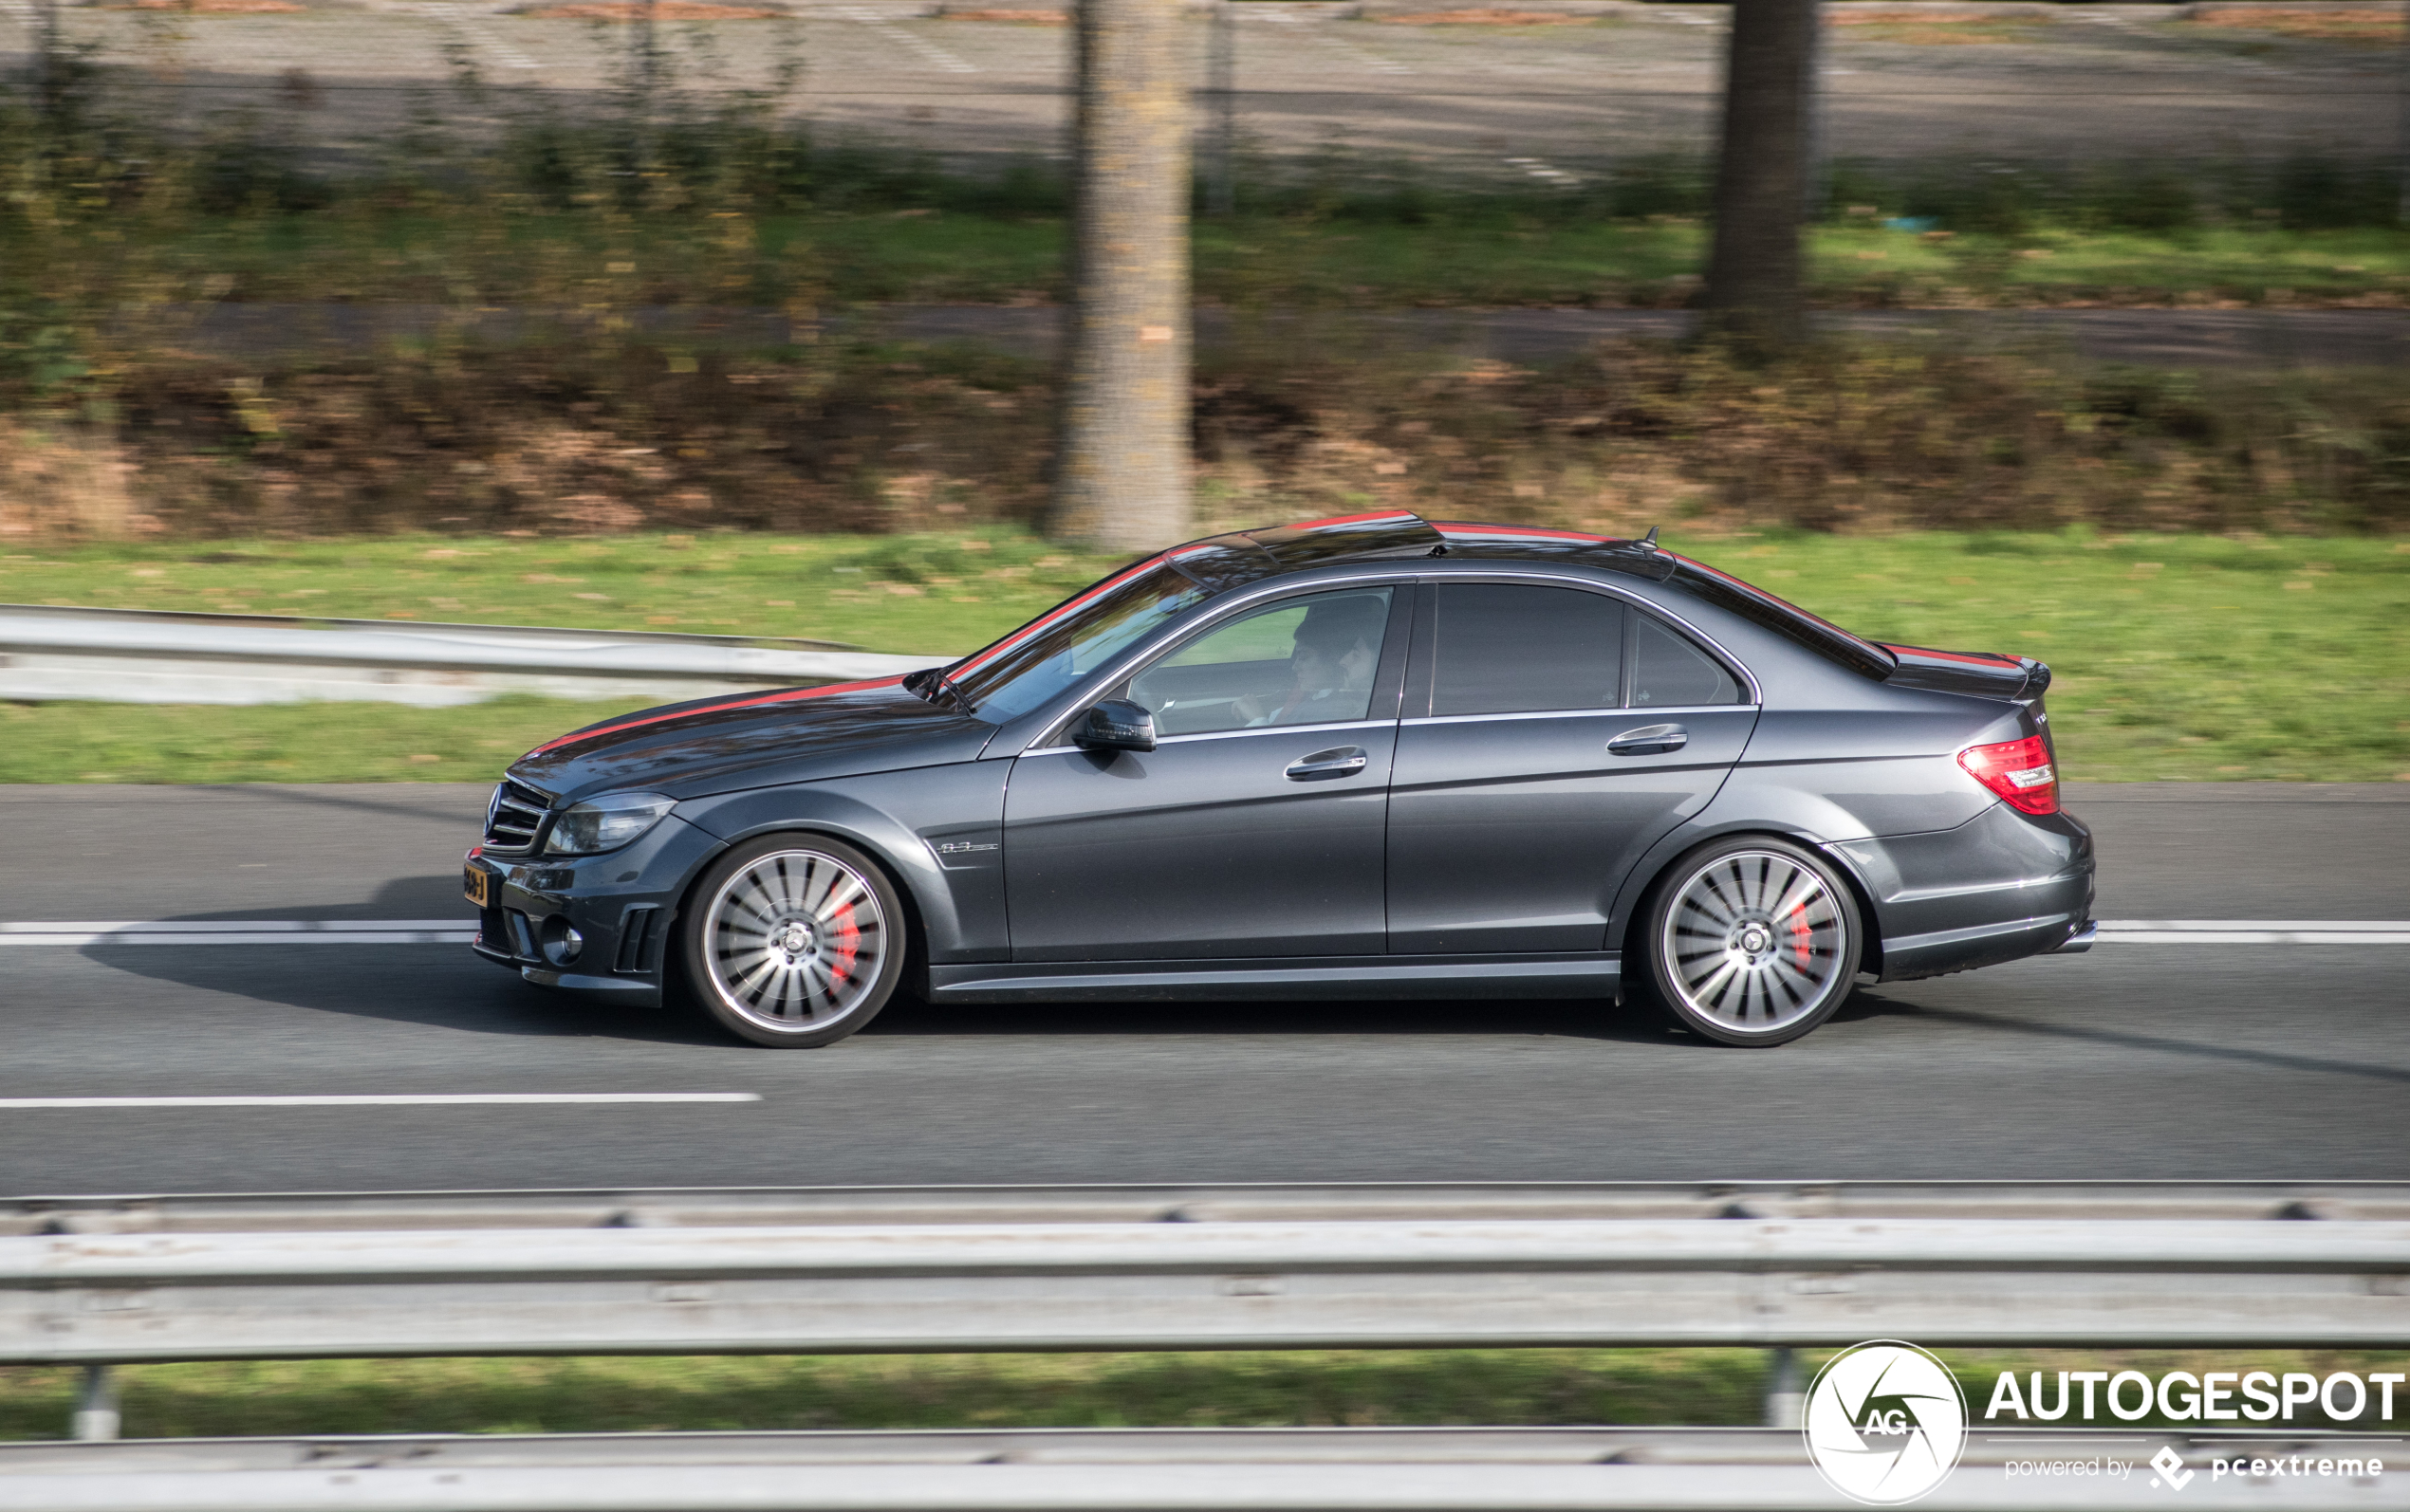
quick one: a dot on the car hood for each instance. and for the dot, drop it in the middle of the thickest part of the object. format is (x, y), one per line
(753, 740)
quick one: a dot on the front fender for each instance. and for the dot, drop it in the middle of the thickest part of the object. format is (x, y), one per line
(901, 818)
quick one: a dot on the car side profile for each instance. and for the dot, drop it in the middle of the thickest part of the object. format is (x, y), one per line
(1365, 757)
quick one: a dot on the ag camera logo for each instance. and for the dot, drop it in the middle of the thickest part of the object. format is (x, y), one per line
(1886, 1423)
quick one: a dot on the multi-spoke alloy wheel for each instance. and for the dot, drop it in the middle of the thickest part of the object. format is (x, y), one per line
(797, 941)
(1753, 942)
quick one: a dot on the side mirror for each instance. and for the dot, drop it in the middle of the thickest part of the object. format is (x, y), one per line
(1115, 724)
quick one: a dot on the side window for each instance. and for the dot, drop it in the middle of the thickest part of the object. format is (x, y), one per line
(1505, 649)
(1302, 661)
(1668, 672)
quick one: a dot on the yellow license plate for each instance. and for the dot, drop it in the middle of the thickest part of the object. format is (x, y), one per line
(476, 883)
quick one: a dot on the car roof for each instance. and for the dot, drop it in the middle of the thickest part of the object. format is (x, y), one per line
(1241, 557)
(1249, 556)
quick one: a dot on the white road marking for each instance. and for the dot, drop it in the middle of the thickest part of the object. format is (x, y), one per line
(397, 1099)
(2254, 932)
(480, 34)
(865, 16)
(460, 931)
(240, 931)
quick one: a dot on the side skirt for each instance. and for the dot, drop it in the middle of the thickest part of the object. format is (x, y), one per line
(1587, 975)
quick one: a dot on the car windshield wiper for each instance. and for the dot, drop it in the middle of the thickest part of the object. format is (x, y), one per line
(934, 685)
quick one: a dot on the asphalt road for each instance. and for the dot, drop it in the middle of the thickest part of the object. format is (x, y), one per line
(1522, 101)
(2135, 1062)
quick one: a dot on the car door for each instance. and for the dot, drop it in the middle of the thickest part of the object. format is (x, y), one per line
(1257, 826)
(1552, 734)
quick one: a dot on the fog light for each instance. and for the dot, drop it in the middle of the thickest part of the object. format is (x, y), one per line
(562, 942)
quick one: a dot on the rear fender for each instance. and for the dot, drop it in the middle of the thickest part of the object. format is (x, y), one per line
(1689, 837)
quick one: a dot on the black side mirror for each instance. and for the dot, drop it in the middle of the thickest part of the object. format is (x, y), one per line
(1115, 724)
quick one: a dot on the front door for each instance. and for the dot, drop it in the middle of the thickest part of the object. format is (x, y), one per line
(1564, 734)
(1255, 826)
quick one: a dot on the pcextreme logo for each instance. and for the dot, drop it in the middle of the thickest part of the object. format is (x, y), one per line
(1886, 1422)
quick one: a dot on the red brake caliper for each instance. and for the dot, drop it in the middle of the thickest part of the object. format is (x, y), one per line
(1800, 934)
(848, 944)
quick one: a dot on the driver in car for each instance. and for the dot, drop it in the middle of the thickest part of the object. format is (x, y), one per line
(1336, 648)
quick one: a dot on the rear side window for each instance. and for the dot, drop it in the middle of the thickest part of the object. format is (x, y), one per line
(1668, 672)
(1505, 649)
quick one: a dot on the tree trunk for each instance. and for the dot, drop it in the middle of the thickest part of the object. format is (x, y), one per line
(1122, 471)
(1754, 274)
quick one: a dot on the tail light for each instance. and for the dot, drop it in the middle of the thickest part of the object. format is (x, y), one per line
(2019, 770)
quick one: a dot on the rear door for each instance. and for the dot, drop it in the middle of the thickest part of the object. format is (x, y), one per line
(1552, 734)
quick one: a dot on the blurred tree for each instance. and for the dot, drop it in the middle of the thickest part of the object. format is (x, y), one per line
(1122, 464)
(1754, 274)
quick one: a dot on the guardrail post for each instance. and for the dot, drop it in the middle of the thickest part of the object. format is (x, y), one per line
(96, 1414)
(1785, 1399)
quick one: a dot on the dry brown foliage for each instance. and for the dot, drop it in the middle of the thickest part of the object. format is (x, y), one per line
(579, 442)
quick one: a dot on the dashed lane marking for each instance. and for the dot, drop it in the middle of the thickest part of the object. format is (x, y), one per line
(240, 931)
(865, 16)
(382, 1100)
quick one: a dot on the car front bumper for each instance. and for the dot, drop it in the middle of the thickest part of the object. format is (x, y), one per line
(623, 906)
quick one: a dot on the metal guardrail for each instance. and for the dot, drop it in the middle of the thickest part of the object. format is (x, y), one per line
(103, 1279)
(142, 656)
(1076, 1470)
(1339, 1267)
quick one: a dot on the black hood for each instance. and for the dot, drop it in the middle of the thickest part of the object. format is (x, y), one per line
(1986, 674)
(754, 740)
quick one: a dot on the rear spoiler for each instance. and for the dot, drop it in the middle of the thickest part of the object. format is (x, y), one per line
(1989, 675)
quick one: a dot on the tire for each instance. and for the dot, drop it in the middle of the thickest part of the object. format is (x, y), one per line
(1751, 941)
(793, 941)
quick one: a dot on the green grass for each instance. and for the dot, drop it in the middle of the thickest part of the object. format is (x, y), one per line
(1481, 256)
(2178, 657)
(1359, 1388)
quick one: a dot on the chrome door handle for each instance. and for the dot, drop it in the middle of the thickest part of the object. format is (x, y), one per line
(1343, 760)
(1649, 739)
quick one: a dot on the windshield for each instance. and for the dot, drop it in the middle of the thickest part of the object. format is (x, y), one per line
(1056, 650)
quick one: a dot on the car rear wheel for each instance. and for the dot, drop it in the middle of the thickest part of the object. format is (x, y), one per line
(796, 941)
(1752, 940)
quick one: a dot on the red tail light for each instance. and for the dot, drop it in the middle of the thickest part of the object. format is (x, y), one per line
(2018, 771)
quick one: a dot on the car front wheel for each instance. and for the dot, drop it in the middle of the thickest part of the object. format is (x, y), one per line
(794, 940)
(1752, 940)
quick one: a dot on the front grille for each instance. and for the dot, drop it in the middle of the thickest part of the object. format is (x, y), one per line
(513, 816)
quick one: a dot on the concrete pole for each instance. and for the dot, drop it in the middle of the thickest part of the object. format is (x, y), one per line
(1785, 1401)
(96, 1413)
(1221, 87)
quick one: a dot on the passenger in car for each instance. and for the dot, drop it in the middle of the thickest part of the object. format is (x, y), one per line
(1336, 648)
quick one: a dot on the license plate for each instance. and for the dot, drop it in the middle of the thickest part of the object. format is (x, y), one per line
(476, 883)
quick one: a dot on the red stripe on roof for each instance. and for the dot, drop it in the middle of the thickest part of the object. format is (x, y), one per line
(1457, 528)
(790, 695)
(1342, 519)
(1052, 614)
(1951, 656)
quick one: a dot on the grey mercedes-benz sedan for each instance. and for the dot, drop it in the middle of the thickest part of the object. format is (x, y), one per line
(1367, 757)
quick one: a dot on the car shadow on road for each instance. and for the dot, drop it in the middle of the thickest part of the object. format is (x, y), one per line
(438, 986)
(443, 986)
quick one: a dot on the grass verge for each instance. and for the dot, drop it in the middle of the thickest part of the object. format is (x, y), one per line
(1354, 1388)
(2178, 657)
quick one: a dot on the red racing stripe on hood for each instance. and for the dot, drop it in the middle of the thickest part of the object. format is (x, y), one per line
(788, 697)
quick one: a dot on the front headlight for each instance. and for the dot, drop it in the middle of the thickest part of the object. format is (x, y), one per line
(605, 823)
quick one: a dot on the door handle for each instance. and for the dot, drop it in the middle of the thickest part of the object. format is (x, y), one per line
(1343, 760)
(1649, 739)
